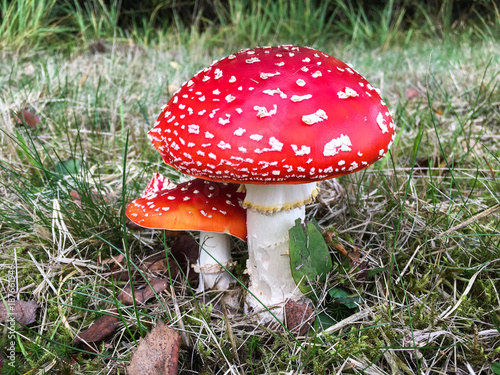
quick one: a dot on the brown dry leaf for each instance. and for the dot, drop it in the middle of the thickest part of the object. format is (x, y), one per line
(185, 250)
(102, 327)
(83, 79)
(328, 236)
(438, 111)
(157, 353)
(173, 233)
(119, 273)
(353, 255)
(341, 249)
(362, 272)
(115, 260)
(98, 47)
(76, 198)
(157, 266)
(142, 295)
(421, 165)
(298, 317)
(118, 270)
(28, 118)
(23, 311)
(412, 93)
(95, 196)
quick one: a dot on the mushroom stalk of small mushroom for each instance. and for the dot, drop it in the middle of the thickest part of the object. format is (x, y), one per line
(214, 260)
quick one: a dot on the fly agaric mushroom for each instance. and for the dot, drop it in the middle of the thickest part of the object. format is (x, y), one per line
(210, 207)
(276, 119)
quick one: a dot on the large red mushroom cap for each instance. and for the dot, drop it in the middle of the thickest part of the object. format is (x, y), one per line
(274, 115)
(198, 205)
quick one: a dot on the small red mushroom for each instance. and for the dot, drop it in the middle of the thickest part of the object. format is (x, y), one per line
(277, 119)
(210, 207)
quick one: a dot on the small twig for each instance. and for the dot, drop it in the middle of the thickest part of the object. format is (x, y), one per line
(370, 369)
(44, 275)
(489, 332)
(25, 287)
(408, 264)
(491, 169)
(349, 320)
(470, 369)
(81, 263)
(62, 313)
(183, 331)
(473, 219)
(230, 333)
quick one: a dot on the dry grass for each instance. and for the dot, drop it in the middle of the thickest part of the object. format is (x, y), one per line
(431, 303)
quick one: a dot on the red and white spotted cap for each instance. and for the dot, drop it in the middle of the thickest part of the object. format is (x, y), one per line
(274, 115)
(157, 184)
(198, 205)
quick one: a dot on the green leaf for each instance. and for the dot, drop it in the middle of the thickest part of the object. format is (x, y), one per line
(344, 298)
(495, 366)
(68, 167)
(324, 321)
(374, 271)
(310, 259)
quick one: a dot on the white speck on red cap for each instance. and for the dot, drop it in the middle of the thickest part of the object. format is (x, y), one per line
(299, 98)
(347, 93)
(304, 150)
(217, 73)
(256, 137)
(268, 75)
(252, 60)
(264, 112)
(194, 129)
(381, 123)
(275, 91)
(342, 143)
(315, 117)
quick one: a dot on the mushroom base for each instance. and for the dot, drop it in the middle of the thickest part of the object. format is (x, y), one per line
(271, 282)
(215, 252)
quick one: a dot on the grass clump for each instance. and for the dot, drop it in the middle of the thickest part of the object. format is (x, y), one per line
(30, 24)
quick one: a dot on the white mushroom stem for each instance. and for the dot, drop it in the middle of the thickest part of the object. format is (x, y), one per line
(215, 250)
(268, 265)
